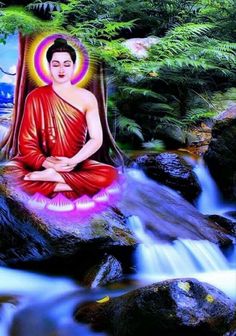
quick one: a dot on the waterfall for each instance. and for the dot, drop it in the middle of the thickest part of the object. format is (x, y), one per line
(200, 259)
(158, 260)
(210, 200)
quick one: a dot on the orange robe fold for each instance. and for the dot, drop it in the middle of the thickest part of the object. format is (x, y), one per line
(52, 126)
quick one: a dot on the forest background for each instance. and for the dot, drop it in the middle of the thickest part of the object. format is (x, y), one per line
(187, 77)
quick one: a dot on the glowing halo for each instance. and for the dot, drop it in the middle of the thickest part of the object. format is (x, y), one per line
(38, 65)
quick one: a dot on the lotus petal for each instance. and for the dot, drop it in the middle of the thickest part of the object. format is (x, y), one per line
(114, 188)
(38, 201)
(101, 197)
(84, 203)
(60, 203)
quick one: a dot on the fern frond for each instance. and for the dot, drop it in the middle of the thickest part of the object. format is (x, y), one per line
(129, 90)
(157, 107)
(129, 126)
(190, 30)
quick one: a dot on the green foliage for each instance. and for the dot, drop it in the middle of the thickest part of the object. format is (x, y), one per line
(175, 84)
(198, 114)
(128, 126)
(221, 100)
(16, 18)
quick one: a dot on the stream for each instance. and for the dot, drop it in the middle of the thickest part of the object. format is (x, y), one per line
(43, 305)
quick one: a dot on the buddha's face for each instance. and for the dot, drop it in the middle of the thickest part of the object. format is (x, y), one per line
(61, 67)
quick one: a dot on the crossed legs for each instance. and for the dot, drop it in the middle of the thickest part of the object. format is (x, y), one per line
(49, 175)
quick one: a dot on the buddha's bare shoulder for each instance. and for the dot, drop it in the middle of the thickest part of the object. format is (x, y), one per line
(85, 93)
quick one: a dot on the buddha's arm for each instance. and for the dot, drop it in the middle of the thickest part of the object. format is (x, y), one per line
(94, 130)
(95, 133)
(28, 142)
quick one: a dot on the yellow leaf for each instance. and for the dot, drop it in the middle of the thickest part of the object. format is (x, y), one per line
(209, 298)
(103, 300)
(184, 285)
(153, 74)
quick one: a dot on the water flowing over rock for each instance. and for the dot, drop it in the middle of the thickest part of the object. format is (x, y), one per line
(221, 156)
(175, 307)
(164, 213)
(172, 170)
(37, 235)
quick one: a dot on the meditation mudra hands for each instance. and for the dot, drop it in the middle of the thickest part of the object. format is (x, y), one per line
(60, 163)
(52, 165)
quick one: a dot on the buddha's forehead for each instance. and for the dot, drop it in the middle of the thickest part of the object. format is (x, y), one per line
(61, 56)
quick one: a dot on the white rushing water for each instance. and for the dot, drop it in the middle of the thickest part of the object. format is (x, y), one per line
(46, 304)
(41, 305)
(199, 259)
(210, 201)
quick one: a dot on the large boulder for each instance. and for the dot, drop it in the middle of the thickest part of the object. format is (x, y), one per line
(172, 170)
(174, 307)
(172, 135)
(29, 234)
(221, 156)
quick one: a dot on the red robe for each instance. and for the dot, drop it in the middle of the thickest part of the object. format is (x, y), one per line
(52, 126)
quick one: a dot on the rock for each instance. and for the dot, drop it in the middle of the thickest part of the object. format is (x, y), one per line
(165, 213)
(232, 214)
(221, 156)
(172, 170)
(107, 271)
(172, 135)
(38, 236)
(22, 240)
(175, 307)
(229, 113)
(230, 333)
(225, 223)
(30, 235)
(191, 138)
(201, 136)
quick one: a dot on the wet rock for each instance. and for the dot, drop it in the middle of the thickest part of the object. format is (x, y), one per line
(230, 333)
(21, 239)
(175, 307)
(227, 224)
(221, 156)
(201, 135)
(172, 135)
(107, 271)
(172, 170)
(229, 113)
(31, 235)
(232, 214)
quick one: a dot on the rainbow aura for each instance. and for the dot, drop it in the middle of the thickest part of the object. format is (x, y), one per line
(37, 64)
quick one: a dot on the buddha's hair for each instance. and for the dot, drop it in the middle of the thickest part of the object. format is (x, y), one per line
(60, 45)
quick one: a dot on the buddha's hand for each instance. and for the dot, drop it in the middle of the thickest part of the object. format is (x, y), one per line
(60, 164)
(63, 164)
